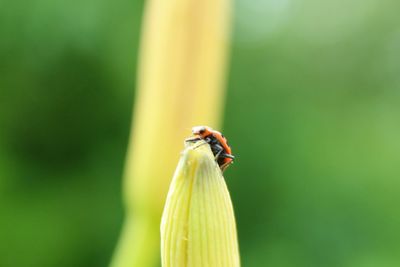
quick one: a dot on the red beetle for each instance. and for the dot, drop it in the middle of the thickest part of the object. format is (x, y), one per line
(218, 143)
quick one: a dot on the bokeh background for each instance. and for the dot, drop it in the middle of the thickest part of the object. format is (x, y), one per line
(312, 114)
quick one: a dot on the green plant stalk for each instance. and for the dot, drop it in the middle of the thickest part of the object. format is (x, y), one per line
(137, 233)
(181, 81)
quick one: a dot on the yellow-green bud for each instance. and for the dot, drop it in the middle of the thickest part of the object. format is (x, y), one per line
(198, 226)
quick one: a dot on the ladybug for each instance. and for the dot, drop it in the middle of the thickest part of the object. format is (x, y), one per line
(218, 143)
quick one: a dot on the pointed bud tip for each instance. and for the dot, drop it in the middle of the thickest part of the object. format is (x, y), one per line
(198, 226)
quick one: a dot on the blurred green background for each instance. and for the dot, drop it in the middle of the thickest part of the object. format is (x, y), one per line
(312, 115)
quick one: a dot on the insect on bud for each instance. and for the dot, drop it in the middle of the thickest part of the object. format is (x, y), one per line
(198, 226)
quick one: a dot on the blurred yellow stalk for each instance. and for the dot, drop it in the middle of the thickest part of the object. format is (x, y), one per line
(198, 226)
(181, 78)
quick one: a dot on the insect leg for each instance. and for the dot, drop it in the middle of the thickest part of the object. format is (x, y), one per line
(219, 149)
(192, 139)
(202, 143)
(224, 166)
(228, 156)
